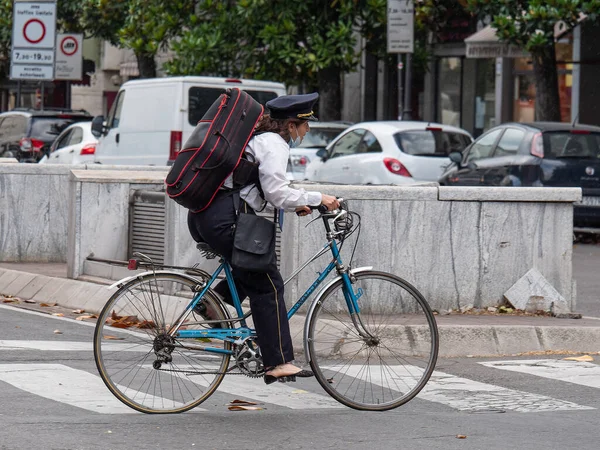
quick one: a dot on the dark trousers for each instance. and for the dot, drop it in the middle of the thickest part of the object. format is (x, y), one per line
(265, 289)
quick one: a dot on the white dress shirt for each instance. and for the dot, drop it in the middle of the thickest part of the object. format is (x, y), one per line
(271, 152)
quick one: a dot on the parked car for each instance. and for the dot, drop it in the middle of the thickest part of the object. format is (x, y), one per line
(151, 119)
(27, 134)
(392, 152)
(535, 154)
(321, 134)
(75, 145)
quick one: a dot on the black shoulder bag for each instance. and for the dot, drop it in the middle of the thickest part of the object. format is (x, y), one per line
(253, 242)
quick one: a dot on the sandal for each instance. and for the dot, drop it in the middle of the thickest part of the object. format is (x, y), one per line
(287, 378)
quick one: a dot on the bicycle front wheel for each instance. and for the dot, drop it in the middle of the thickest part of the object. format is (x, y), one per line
(381, 357)
(140, 363)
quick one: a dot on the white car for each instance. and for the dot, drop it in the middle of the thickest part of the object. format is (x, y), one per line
(320, 134)
(388, 152)
(75, 145)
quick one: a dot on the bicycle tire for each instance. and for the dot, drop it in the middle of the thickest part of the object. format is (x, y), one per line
(131, 330)
(406, 349)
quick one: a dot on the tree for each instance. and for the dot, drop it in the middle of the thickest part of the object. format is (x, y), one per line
(309, 43)
(145, 26)
(531, 25)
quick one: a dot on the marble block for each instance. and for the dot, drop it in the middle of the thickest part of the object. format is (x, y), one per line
(534, 293)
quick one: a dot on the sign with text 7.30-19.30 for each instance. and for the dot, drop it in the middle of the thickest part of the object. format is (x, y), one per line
(33, 40)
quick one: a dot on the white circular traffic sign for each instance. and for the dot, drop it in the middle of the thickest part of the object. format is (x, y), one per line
(69, 46)
(34, 31)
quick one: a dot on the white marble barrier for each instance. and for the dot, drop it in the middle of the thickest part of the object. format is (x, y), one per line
(99, 213)
(34, 209)
(456, 252)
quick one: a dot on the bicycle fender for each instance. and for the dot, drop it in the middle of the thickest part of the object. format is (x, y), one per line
(125, 280)
(314, 303)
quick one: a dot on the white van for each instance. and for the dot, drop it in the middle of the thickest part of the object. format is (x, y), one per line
(151, 119)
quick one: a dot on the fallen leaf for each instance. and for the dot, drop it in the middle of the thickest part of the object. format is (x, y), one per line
(91, 316)
(57, 332)
(78, 311)
(461, 436)
(58, 314)
(112, 338)
(583, 358)
(29, 301)
(47, 304)
(9, 300)
(244, 408)
(241, 402)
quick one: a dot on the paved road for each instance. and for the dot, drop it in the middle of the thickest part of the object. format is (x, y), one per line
(51, 397)
(586, 268)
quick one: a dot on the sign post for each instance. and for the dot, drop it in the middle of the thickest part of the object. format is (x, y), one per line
(33, 40)
(69, 57)
(400, 39)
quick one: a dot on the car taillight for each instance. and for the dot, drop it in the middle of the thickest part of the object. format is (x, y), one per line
(175, 146)
(88, 149)
(537, 146)
(30, 144)
(396, 167)
(302, 161)
(233, 80)
(580, 132)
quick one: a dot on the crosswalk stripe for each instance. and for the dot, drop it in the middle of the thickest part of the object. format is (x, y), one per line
(66, 385)
(465, 394)
(582, 373)
(277, 394)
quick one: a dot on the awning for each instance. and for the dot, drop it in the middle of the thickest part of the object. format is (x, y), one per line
(485, 44)
(129, 69)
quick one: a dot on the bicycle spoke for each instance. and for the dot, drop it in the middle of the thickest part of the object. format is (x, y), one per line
(383, 367)
(145, 367)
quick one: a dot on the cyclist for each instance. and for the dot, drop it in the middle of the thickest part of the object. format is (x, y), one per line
(282, 128)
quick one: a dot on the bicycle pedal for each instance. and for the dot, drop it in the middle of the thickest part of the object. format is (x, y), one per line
(287, 379)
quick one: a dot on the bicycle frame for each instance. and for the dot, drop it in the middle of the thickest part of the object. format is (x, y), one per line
(238, 334)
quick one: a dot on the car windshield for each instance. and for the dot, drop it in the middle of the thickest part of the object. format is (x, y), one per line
(565, 144)
(431, 142)
(319, 137)
(47, 128)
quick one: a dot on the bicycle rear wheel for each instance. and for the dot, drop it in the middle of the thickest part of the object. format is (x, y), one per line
(140, 363)
(380, 358)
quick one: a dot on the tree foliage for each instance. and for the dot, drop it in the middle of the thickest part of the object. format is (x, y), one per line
(309, 43)
(144, 26)
(531, 24)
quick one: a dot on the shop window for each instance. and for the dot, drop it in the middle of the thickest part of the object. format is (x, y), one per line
(449, 91)
(524, 87)
(485, 96)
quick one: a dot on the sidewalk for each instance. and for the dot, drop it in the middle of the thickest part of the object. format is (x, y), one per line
(460, 335)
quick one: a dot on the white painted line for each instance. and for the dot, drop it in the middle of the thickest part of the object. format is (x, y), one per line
(582, 373)
(462, 393)
(67, 385)
(75, 346)
(49, 316)
(277, 393)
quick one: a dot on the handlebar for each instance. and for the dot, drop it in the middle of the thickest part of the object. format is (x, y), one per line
(322, 208)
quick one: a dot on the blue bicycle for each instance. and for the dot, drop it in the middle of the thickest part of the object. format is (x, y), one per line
(370, 337)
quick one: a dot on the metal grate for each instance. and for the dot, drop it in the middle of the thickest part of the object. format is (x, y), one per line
(147, 224)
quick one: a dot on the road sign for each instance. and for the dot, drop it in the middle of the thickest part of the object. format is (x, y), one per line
(33, 40)
(400, 28)
(69, 57)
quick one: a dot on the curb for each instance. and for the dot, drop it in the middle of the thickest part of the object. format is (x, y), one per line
(455, 340)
